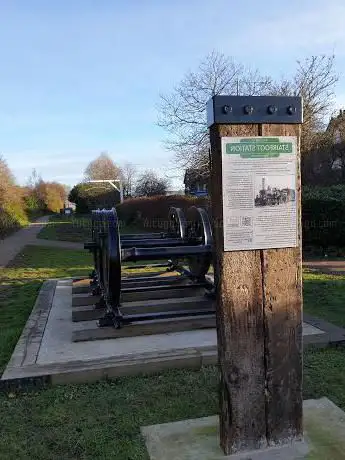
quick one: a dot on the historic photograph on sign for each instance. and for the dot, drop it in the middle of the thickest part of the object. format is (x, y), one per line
(274, 190)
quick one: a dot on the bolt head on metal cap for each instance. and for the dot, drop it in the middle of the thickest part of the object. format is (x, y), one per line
(248, 109)
(271, 109)
(291, 110)
(227, 109)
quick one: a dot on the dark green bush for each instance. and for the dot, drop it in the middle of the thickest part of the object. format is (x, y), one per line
(153, 212)
(12, 217)
(323, 217)
(334, 192)
(89, 196)
(323, 223)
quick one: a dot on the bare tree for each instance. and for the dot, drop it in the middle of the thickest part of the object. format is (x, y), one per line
(102, 168)
(314, 80)
(128, 174)
(149, 184)
(318, 165)
(183, 112)
(33, 179)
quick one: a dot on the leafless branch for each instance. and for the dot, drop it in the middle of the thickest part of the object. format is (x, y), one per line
(182, 113)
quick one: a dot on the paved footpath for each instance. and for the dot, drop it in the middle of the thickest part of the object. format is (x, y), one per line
(10, 246)
(330, 267)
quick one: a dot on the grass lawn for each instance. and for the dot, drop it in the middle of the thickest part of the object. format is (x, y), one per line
(324, 297)
(103, 420)
(67, 228)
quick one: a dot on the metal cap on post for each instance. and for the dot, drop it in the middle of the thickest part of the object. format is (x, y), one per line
(254, 109)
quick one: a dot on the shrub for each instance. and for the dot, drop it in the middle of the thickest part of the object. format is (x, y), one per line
(12, 217)
(12, 213)
(17, 204)
(51, 194)
(33, 205)
(323, 223)
(334, 192)
(153, 212)
(88, 196)
(323, 220)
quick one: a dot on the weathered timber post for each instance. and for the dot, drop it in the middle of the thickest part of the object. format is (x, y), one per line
(255, 195)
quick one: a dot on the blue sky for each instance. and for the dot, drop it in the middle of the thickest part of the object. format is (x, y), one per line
(79, 77)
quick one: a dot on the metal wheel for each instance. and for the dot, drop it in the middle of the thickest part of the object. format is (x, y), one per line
(111, 263)
(98, 230)
(94, 239)
(199, 230)
(178, 223)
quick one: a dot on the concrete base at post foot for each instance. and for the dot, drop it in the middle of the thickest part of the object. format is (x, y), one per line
(295, 451)
(198, 439)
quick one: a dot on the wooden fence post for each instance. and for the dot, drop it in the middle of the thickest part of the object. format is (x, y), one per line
(255, 195)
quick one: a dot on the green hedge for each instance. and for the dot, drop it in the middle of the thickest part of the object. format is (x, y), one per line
(12, 218)
(323, 217)
(323, 223)
(153, 212)
(334, 192)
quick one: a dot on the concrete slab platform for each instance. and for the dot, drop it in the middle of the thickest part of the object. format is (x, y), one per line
(331, 334)
(45, 350)
(198, 439)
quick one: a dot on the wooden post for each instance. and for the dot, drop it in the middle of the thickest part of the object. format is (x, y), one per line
(259, 297)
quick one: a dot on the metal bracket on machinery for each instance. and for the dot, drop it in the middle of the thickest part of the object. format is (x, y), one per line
(187, 248)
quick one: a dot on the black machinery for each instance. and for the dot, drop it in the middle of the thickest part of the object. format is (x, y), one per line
(186, 248)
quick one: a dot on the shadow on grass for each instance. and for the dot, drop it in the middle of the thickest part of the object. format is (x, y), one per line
(103, 420)
(324, 297)
(16, 301)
